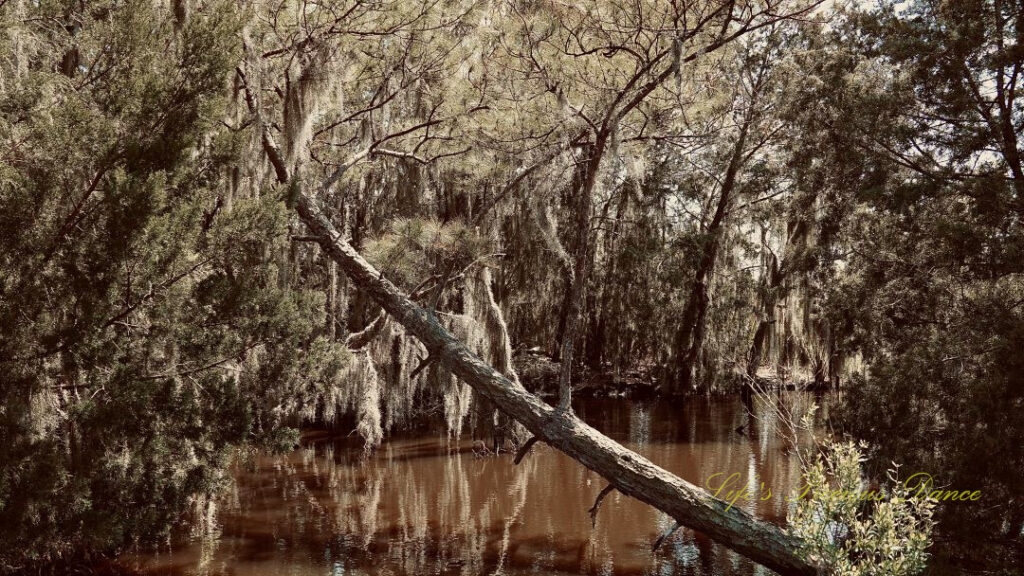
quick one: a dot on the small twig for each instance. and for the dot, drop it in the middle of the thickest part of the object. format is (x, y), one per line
(597, 504)
(427, 285)
(665, 535)
(524, 449)
(439, 288)
(203, 368)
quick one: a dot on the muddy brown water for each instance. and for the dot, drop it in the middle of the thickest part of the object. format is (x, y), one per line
(423, 504)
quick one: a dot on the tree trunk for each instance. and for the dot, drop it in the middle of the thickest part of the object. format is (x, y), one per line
(777, 274)
(332, 300)
(690, 338)
(577, 285)
(769, 299)
(597, 335)
(629, 472)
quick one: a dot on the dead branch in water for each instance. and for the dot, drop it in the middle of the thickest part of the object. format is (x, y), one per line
(597, 503)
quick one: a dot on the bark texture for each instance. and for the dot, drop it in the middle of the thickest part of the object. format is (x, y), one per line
(627, 471)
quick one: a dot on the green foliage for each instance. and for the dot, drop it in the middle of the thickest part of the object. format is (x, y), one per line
(414, 247)
(149, 330)
(913, 105)
(851, 530)
(947, 400)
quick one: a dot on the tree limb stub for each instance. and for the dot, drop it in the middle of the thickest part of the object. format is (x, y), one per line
(430, 359)
(664, 536)
(629, 472)
(357, 340)
(524, 449)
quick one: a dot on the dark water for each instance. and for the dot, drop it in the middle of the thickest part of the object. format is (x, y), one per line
(427, 505)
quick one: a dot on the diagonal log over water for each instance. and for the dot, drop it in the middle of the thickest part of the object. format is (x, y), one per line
(626, 470)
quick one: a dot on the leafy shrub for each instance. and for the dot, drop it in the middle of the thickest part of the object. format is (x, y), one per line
(851, 530)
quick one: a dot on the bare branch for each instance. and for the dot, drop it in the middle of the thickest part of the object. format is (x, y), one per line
(597, 503)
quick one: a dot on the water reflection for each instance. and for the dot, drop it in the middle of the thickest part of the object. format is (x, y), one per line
(424, 505)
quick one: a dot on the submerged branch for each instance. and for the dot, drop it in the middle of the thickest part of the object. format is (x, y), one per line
(524, 449)
(597, 503)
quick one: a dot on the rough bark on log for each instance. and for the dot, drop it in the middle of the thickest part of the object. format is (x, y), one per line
(629, 472)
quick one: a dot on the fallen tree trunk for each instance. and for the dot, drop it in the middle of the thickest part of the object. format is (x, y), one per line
(627, 471)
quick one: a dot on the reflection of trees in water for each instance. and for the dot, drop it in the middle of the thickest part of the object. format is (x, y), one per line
(428, 505)
(420, 512)
(640, 425)
(518, 494)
